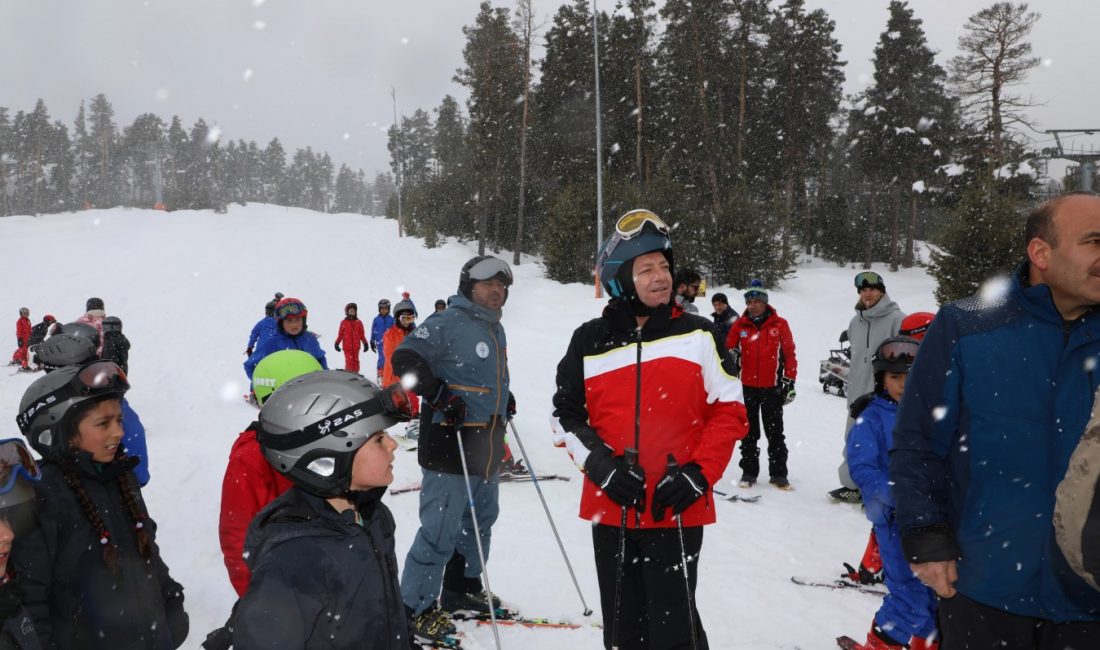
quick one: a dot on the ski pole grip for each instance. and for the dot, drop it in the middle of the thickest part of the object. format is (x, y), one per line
(631, 456)
(672, 464)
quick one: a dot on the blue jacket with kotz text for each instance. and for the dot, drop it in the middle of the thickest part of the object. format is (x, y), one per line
(994, 405)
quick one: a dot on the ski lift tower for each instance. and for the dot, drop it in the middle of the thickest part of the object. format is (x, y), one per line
(1086, 161)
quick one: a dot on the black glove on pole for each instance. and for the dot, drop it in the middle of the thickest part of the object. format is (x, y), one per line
(620, 477)
(678, 488)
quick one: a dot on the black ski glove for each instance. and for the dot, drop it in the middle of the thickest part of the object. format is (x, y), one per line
(621, 482)
(735, 361)
(678, 488)
(373, 347)
(248, 352)
(365, 346)
(511, 408)
(338, 346)
(786, 389)
(450, 405)
(19, 343)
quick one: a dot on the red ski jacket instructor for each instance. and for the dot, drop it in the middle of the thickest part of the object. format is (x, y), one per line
(647, 377)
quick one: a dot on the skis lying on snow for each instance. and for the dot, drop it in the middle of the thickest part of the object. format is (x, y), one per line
(537, 622)
(517, 478)
(841, 584)
(848, 643)
(733, 498)
(510, 617)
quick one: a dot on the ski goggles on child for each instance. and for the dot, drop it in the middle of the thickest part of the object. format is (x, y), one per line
(490, 268)
(394, 402)
(96, 378)
(17, 472)
(869, 279)
(16, 461)
(904, 351)
(631, 224)
(290, 307)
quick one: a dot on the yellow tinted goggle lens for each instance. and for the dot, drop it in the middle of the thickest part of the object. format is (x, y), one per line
(632, 222)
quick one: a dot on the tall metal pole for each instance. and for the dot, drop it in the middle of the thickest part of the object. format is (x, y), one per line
(599, 137)
(397, 152)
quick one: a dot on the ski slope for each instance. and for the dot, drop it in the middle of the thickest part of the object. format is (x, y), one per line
(189, 286)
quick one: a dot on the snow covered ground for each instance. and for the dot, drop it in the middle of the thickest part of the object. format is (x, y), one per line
(190, 285)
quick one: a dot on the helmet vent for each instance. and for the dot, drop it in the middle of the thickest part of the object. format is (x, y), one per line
(323, 466)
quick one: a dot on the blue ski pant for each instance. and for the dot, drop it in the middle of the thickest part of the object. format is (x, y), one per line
(910, 608)
(445, 527)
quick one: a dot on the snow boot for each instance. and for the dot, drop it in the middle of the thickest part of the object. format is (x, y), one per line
(878, 639)
(747, 481)
(870, 567)
(845, 495)
(431, 626)
(473, 603)
(781, 482)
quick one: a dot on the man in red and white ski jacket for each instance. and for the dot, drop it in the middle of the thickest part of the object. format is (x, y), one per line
(647, 378)
(690, 407)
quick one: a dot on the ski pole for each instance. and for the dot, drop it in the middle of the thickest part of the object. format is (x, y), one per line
(546, 508)
(684, 563)
(631, 456)
(477, 535)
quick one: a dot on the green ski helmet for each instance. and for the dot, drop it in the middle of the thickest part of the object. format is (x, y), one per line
(277, 368)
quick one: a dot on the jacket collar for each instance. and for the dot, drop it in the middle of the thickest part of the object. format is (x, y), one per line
(622, 318)
(459, 301)
(881, 308)
(1038, 300)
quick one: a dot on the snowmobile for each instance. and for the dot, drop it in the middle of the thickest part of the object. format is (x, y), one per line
(833, 373)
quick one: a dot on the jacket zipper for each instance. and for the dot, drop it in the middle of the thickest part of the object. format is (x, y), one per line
(638, 411)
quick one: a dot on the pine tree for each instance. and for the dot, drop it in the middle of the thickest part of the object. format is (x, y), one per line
(804, 61)
(273, 173)
(996, 56)
(60, 154)
(901, 123)
(142, 143)
(175, 164)
(102, 140)
(981, 242)
(492, 59)
(692, 117)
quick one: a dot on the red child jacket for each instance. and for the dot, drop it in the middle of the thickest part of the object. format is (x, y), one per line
(250, 483)
(351, 334)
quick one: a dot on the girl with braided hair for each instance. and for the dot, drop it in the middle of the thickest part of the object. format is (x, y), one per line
(91, 571)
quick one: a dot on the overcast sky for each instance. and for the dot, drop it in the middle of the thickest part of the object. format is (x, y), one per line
(319, 72)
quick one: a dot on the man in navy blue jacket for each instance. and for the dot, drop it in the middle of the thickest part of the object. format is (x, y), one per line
(994, 406)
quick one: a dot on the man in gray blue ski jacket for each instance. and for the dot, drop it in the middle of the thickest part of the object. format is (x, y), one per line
(459, 360)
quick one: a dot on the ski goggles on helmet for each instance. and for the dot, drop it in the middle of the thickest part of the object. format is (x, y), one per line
(290, 307)
(394, 401)
(16, 461)
(96, 378)
(903, 351)
(869, 279)
(631, 224)
(490, 268)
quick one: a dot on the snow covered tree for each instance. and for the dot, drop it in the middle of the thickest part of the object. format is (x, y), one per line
(805, 71)
(273, 173)
(102, 140)
(981, 242)
(901, 126)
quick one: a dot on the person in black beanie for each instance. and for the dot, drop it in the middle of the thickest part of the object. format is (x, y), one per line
(723, 316)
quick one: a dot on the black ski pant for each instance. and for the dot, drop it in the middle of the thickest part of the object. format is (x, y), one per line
(966, 624)
(766, 402)
(653, 612)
